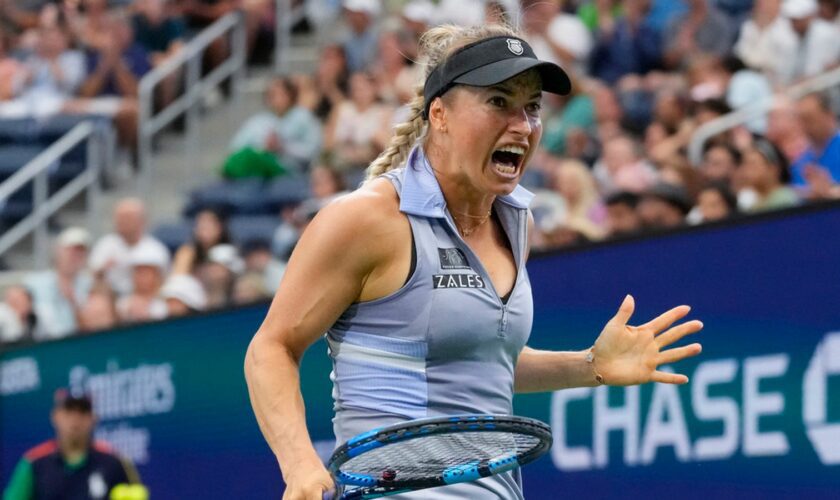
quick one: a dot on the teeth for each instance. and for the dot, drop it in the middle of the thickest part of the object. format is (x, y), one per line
(513, 149)
(505, 169)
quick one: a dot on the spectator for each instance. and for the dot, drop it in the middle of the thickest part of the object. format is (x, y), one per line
(627, 45)
(149, 266)
(18, 321)
(815, 48)
(663, 206)
(20, 15)
(116, 68)
(555, 35)
(703, 29)
(324, 184)
(417, 17)
(210, 229)
(162, 36)
(72, 465)
(100, 310)
(759, 36)
(395, 75)
(285, 138)
(622, 167)
(184, 295)
(358, 128)
(53, 71)
(830, 11)
(600, 14)
(249, 289)
(156, 30)
(765, 172)
(622, 218)
(575, 183)
(115, 71)
(716, 202)
(89, 22)
(218, 275)
(820, 163)
(360, 44)
(110, 257)
(332, 79)
(720, 160)
(59, 294)
(785, 130)
(12, 72)
(744, 87)
(568, 123)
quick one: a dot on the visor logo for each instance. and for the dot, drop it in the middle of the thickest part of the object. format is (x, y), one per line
(515, 46)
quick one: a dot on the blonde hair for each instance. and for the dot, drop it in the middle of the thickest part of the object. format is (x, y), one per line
(436, 45)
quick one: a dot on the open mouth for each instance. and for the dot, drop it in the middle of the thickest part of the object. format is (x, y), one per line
(507, 159)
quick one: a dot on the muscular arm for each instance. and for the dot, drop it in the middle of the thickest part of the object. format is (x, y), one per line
(345, 255)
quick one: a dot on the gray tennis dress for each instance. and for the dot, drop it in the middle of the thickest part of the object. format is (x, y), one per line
(445, 343)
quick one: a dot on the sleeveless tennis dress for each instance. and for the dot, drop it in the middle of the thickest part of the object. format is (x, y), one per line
(445, 343)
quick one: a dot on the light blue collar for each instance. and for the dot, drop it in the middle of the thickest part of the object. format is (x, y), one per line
(421, 194)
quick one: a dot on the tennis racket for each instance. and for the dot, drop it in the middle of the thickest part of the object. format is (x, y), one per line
(431, 452)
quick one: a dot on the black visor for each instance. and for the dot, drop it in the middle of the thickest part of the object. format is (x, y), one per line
(491, 61)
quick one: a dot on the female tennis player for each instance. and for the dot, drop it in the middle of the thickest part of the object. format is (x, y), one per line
(419, 276)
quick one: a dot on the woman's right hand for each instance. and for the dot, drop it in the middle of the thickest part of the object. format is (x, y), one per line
(308, 483)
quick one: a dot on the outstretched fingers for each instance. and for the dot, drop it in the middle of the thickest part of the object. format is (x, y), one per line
(678, 354)
(678, 332)
(666, 319)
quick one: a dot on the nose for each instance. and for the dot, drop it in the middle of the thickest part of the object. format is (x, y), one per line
(520, 123)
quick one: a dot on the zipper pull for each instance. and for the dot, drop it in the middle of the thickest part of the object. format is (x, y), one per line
(503, 322)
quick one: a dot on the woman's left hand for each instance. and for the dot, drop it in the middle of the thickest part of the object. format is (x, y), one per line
(629, 355)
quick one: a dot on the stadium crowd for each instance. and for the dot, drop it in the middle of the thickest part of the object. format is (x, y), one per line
(613, 159)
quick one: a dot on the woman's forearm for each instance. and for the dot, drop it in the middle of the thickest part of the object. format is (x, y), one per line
(272, 373)
(543, 371)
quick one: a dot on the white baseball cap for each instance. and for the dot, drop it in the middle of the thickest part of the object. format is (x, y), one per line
(799, 9)
(73, 236)
(419, 11)
(228, 256)
(187, 289)
(145, 254)
(370, 7)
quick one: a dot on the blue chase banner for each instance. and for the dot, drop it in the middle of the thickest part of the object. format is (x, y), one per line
(759, 419)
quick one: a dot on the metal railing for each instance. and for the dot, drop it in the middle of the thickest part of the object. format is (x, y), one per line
(189, 58)
(44, 205)
(285, 17)
(756, 110)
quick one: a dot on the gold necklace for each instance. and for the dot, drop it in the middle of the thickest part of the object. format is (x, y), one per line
(466, 232)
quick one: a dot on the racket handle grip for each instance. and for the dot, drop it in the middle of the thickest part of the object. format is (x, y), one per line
(329, 495)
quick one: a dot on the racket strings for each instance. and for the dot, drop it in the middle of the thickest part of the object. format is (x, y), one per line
(427, 456)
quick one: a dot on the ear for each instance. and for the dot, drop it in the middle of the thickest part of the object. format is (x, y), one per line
(437, 115)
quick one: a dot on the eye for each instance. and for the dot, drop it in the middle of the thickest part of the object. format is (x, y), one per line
(533, 108)
(498, 101)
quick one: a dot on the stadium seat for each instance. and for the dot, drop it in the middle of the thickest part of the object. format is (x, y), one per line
(174, 234)
(250, 229)
(286, 191)
(243, 196)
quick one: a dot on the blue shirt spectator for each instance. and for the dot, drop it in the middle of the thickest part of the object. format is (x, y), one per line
(821, 127)
(632, 47)
(136, 60)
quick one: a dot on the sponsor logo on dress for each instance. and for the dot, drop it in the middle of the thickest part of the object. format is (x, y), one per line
(453, 258)
(458, 281)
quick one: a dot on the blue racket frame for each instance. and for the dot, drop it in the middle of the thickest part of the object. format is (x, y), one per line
(369, 487)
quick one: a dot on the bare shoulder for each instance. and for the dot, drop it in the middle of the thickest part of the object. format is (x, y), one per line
(366, 222)
(373, 207)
